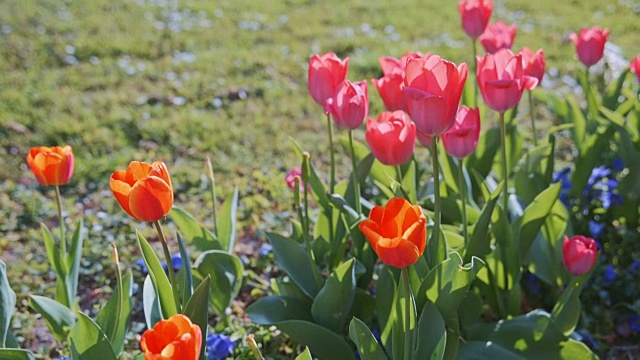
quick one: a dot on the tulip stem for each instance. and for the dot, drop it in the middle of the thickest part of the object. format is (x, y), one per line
(332, 178)
(475, 71)
(435, 238)
(63, 239)
(533, 121)
(399, 174)
(120, 287)
(167, 255)
(505, 171)
(408, 347)
(356, 181)
(213, 195)
(463, 199)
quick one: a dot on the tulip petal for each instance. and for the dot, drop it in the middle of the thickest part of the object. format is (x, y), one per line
(121, 190)
(430, 113)
(397, 253)
(135, 171)
(150, 199)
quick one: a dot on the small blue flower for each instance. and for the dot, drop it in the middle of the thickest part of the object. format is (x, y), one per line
(141, 264)
(596, 229)
(176, 261)
(634, 322)
(563, 176)
(533, 283)
(635, 266)
(265, 249)
(617, 164)
(219, 346)
(609, 274)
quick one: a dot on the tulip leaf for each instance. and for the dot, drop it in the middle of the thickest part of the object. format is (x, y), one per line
(448, 169)
(58, 263)
(227, 222)
(385, 301)
(112, 323)
(364, 167)
(332, 306)
(546, 251)
(344, 207)
(480, 240)
(73, 262)
(151, 303)
(405, 310)
(59, 318)
(527, 227)
(294, 259)
(590, 156)
(317, 188)
(305, 355)
(482, 159)
(185, 276)
(195, 233)
(271, 310)
(366, 343)
(225, 271)
(161, 284)
(566, 312)
(432, 334)
(323, 343)
(197, 309)
(7, 304)
(486, 350)
(16, 354)
(88, 342)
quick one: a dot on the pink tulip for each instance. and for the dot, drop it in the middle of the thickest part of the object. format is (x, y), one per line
(501, 79)
(423, 139)
(350, 105)
(474, 15)
(579, 254)
(390, 86)
(590, 44)
(534, 65)
(634, 66)
(433, 88)
(291, 176)
(326, 72)
(462, 139)
(498, 36)
(392, 137)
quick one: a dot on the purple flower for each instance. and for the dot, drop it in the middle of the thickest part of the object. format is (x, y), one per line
(634, 322)
(609, 274)
(596, 229)
(219, 346)
(617, 164)
(601, 187)
(562, 176)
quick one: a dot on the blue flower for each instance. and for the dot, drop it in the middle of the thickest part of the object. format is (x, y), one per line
(601, 187)
(635, 266)
(587, 339)
(596, 229)
(597, 173)
(609, 274)
(634, 322)
(176, 261)
(562, 176)
(219, 346)
(265, 249)
(617, 164)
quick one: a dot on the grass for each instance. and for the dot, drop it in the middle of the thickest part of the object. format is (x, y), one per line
(182, 80)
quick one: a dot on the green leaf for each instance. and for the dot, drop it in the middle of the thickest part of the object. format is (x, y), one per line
(58, 263)
(58, 317)
(197, 309)
(16, 354)
(322, 342)
(332, 306)
(480, 241)
(432, 334)
(305, 355)
(271, 310)
(590, 156)
(7, 304)
(88, 342)
(159, 279)
(198, 235)
(225, 271)
(366, 343)
(566, 312)
(344, 207)
(400, 326)
(294, 259)
(482, 159)
(526, 228)
(185, 274)
(112, 323)
(73, 262)
(481, 350)
(546, 251)
(612, 93)
(151, 303)
(364, 167)
(385, 301)
(227, 222)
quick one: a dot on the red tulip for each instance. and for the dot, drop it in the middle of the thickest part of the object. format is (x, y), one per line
(579, 254)
(350, 104)
(475, 15)
(391, 138)
(534, 65)
(326, 72)
(634, 66)
(433, 88)
(51, 165)
(498, 36)
(462, 139)
(397, 232)
(144, 191)
(176, 338)
(590, 44)
(390, 86)
(501, 79)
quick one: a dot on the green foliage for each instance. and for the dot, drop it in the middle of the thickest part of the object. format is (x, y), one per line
(159, 280)
(7, 304)
(87, 341)
(59, 318)
(366, 343)
(225, 271)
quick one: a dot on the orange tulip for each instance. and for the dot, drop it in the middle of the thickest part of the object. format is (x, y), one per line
(176, 338)
(51, 165)
(144, 191)
(397, 232)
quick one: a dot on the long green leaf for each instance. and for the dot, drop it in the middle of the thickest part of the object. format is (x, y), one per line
(305, 355)
(225, 271)
(88, 342)
(106, 319)
(185, 271)
(151, 303)
(159, 279)
(432, 334)
(197, 309)
(58, 317)
(227, 223)
(479, 243)
(195, 233)
(16, 354)
(322, 342)
(7, 304)
(332, 306)
(526, 228)
(366, 343)
(293, 258)
(271, 310)
(73, 262)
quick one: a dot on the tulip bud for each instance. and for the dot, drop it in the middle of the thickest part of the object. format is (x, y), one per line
(579, 254)
(462, 139)
(590, 44)
(51, 165)
(474, 15)
(326, 72)
(391, 138)
(498, 36)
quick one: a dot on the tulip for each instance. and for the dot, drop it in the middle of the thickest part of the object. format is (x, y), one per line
(176, 338)
(433, 88)
(534, 65)
(291, 176)
(397, 232)
(462, 139)
(634, 66)
(144, 191)
(424, 139)
(350, 104)
(498, 36)
(474, 15)
(579, 254)
(326, 72)
(590, 44)
(501, 79)
(51, 165)
(392, 137)
(391, 85)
